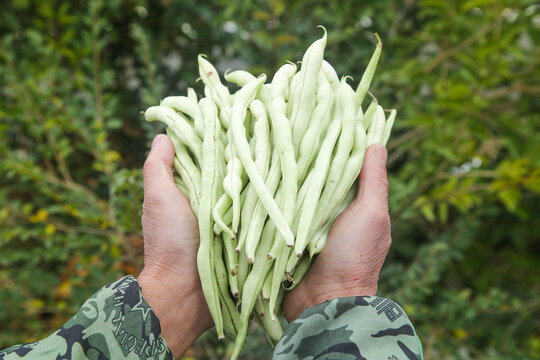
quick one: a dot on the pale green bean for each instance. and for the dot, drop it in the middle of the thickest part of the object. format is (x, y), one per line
(367, 77)
(208, 181)
(305, 87)
(245, 96)
(320, 173)
(187, 106)
(376, 129)
(388, 126)
(179, 125)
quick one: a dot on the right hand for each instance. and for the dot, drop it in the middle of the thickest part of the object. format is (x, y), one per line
(357, 244)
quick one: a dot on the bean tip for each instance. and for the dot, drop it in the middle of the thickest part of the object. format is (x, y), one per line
(250, 260)
(221, 337)
(236, 293)
(379, 42)
(299, 255)
(289, 277)
(270, 256)
(324, 29)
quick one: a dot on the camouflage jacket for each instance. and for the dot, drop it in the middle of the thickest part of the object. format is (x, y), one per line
(117, 323)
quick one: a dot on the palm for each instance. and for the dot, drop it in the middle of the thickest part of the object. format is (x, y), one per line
(356, 248)
(170, 231)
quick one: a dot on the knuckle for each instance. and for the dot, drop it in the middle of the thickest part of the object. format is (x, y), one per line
(154, 200)
(380, 220)
(150, 166)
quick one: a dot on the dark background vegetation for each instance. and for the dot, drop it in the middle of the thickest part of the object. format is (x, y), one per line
(464, 154)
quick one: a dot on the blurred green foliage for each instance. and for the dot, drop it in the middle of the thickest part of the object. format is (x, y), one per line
(464, 156)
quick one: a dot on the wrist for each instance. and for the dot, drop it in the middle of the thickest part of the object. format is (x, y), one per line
(306, 297)
(178, 304)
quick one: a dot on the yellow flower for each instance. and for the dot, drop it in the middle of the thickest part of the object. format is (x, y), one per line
(40, 216)
(50, 229)
(460, 333)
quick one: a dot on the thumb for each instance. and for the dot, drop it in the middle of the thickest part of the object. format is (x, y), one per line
(373, 184)
(157, 170)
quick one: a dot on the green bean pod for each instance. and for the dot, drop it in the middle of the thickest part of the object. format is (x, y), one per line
(231, 259)
(352, 170)
(189, 172)
(272, 329)
(370, 113)
(261, 153)
(343, 148)
(239, 77)
(305, 88)
(330, 74)
(376, 129)
(317, 126)
(223, 204)
(232, 182)
(253, 285)
(299, 272)
(209, 181)
(318, 241)
(231, 318)
(187, 106)
(219, 92)
(278, 276)
(256, 224)
(181, 185)
(267, 285)
(192, 95)
(179, 125)
(367, 77)
(320, 173)
(244, 97)
(284, 143)
(388, 126)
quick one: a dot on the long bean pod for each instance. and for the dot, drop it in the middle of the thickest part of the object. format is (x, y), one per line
(240, 143)
(320, 172)
(208, 181)
(187, 106)
(179, 124)
(367, 77)
(305, 87)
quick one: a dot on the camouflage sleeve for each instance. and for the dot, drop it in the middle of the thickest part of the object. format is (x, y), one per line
(362, 327)
(115, 323)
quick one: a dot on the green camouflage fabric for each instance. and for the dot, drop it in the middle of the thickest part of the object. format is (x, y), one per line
(115, 323)
(359, 328)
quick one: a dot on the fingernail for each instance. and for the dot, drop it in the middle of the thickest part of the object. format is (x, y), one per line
(157, 139)
(379, 154)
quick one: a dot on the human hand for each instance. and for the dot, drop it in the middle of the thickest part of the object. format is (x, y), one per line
(170, 281)
(357, 244)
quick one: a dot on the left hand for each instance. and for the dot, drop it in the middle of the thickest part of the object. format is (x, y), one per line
(170, 281)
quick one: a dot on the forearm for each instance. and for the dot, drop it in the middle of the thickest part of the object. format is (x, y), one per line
(115, 323)
(366, 327)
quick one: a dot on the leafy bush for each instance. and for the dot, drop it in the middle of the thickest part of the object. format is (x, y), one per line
(464, 156)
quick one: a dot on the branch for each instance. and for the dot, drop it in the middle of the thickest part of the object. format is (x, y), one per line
(465, 43)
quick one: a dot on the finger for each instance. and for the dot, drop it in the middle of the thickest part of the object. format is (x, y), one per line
(373, 184)
(157, 170)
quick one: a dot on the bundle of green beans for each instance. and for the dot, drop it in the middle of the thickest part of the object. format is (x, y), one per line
(267, 171)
